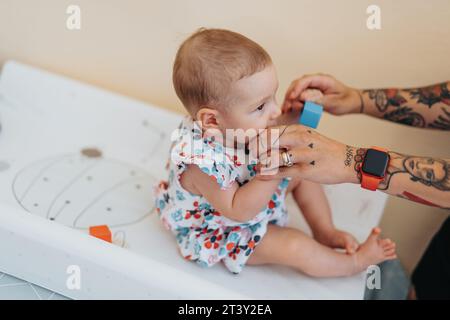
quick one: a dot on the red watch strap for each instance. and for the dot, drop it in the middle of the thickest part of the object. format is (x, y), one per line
(370, 182)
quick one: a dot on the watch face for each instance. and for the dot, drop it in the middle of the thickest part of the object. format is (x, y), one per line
(375, 163)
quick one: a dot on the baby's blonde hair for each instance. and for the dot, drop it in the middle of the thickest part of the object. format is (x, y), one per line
(209, 61)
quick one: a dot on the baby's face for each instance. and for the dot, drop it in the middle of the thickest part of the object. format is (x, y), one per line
(253, 103)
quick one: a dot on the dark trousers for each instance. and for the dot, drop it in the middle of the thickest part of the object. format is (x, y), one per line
(431, 278)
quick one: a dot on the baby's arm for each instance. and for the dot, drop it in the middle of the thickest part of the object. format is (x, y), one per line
(237, 203)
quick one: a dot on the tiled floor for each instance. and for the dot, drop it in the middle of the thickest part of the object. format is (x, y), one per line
(12, 288)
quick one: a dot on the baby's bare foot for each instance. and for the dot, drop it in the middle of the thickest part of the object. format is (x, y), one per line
(338, 239)
(374, 250)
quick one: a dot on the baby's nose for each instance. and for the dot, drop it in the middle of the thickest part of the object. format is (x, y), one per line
(274, 116)
(276, 112)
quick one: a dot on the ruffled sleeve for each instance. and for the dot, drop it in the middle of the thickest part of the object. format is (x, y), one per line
(210, 156)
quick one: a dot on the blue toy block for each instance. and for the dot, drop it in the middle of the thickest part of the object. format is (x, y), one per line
(311, 114)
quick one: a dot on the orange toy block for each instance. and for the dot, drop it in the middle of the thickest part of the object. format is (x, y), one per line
(101, 232)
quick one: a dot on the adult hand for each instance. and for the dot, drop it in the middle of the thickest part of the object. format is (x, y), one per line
(316, 158)
(336, 97)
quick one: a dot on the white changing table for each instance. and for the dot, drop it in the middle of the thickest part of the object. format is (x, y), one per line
(72, 156)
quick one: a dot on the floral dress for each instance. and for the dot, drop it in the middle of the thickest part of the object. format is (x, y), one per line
(203, 234)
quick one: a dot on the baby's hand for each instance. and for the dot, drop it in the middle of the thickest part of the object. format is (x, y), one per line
(339, 239)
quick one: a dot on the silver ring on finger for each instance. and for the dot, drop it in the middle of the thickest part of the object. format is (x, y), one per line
(287, 161)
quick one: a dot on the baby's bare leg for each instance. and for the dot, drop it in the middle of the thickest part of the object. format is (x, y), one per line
(313, 203)
(291, 247)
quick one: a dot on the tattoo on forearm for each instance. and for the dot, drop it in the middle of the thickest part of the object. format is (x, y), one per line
(443, 121)
(386, 97)
(405, 115)
(432, 94)
(412, 197)
(348, 156)
(431, 172)
(402, 100)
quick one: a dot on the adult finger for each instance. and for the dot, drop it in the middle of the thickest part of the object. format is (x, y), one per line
(298, 170)
(275, 158)
(294, 136)
(317, 81)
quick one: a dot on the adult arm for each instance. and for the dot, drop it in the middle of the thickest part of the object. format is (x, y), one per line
(320, 159)
(424, 107)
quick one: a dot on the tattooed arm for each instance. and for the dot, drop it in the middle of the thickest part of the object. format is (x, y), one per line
(320, 159)
(427, 107)
(421, 179)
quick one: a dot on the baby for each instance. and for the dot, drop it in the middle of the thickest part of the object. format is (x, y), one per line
(214, 201)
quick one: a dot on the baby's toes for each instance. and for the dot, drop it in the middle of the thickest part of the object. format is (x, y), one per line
(391, 256)
(374, 235)
(389, 253)
(389, 250)
(389, 246)
(385, 242)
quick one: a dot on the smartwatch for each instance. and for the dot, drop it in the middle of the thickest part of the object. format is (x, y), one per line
(373, 168)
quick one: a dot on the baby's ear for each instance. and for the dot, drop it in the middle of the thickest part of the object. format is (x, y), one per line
(207, 118)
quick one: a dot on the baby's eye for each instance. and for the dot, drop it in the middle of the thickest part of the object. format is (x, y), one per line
(260, 107)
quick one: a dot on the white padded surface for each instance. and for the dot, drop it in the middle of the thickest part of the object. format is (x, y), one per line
(50, 194)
